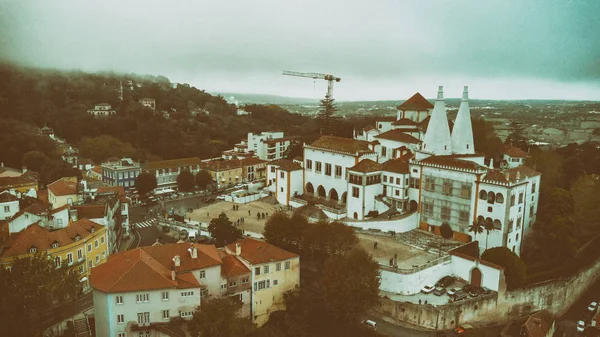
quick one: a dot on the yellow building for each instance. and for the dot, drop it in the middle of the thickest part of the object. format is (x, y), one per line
(81, 245)
(225, 172)
(22, 184)
(62, 192)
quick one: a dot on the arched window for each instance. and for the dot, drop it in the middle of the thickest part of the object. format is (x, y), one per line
(489, 222)
(380, 126)
(483, 195)
(499, 198)
(480, 220)
(512, 200)
(491, 197)
(497, 224)
(517, 237)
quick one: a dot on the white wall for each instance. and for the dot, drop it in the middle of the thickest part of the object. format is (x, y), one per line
(294, 178)
(490, 277)
(399, 226)
(212, 280)
(411, 283)
(24, 221)
(328, 182)
(60, 219)
(13, 208)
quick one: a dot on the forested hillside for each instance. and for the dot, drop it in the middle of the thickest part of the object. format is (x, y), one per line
(60, 99)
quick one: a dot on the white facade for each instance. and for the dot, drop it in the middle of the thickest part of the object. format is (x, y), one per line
(288, 184)
(102, 110)
(8, 208)
(268, 145)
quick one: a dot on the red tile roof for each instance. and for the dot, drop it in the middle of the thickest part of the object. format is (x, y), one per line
(515, 152)
(97, 169)
(7, 197)
(232, 266)
(366, 166)
(252, 161)
(286, 165)
(346, 145)
(385, 118)
(538, 324)
(149, 268)
(452, 162)
(396, 166)
(404, 121)
(117, 190)
(416, 103)
(42, 239)
(509, 175)
(257, 252)
(221, 165)
(63, 186)
(56, 210)
(399, 136)
(172, 164)
(90, 211)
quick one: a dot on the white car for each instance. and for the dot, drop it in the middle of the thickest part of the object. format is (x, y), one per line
(428, 289)
(593, 306)
(221, 197)
(452, 291)
(580, 326)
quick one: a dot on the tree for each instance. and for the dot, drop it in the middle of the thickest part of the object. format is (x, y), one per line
(278, 230)
(222, 230)
(516, 137)
(29, 289)
(185, 181)
(145, 183)
(514, 268)
(55, 169)
(203, 179)
(34, 160)
(488, 226)
(476, 228)
(103, 147)
(350, 284)
(219, 317)
(446, 231)
(341, 238)
(325, 117)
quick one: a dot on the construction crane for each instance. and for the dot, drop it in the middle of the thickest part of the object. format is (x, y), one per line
(328, 78)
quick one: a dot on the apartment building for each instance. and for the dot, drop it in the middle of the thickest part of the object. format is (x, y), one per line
(121, 173)
(166, 171)
(62, 192)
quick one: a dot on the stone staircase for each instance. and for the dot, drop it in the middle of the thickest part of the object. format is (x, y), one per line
(426, 240)
(82, 329)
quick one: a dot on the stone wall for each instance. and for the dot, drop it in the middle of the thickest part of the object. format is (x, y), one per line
(555, 295)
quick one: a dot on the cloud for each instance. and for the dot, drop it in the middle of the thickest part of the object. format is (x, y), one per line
(244, 45)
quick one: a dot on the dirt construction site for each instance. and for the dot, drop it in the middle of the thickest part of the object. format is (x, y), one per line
(247, 211)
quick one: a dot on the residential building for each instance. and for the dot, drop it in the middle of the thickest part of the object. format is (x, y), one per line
(47, 131)
(69, 154)
(95, 173)
(121, 173)
(539, 324)
(102, 110)
(224, 172)
(253, 169)
(274, 271)
(9, 205)
(285, 179)
(148, 103)
(81, 245)
(426, 165)
(513, 157)
(28, 213)
(85, 164)
(166, 171)
(18, 181)
(270, 145)
(62, 192)
(240, 151)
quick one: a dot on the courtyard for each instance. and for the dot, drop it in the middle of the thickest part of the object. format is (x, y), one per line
(247, 211)
(388, 248)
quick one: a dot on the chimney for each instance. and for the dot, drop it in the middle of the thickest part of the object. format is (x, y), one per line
(193, 252)
(2, 164)
(518, 175)
(238, 249)
(491, 163)
(24, 169)
(177, 261)
(173, 273)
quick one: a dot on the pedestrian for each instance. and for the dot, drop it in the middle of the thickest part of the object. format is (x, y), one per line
(248, 212)
(391, 262)
(243, 219)
(267, 215)
(374, 245)
(258, 215)
(208, 214)
(233, 207)
(263, 215)
(419, 301)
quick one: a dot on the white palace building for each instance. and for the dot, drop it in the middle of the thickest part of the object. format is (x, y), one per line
(417, 170)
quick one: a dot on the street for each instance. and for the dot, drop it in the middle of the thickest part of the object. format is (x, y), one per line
(566, 325)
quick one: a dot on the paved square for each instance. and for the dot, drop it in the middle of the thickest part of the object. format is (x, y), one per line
(387, 247)
(251, 222)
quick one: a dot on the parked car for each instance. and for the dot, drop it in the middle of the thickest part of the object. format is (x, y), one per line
(452, 291)
(463, 328)
(221, 197)
(593, 306)
(371, 324)
(445, 281)
(580, 326)
(439, 291)
(459, 296)
(428, 289)
(474, 291)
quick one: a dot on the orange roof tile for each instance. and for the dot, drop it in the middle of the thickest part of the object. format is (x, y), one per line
(368, 128)
(252, 161)
(404, 121)
(42, 239)
(416, 103)
(286, 165)
(173, 163)
(97, 169)
(366, 166)
(7, 197)
(63, 186)
(233, 267)
(347, 145)
(56, 210)
(221, 165)
(515, 152)
(396, 166)
(117, 190)
(453, 162)
(398, 136)
(148, 268)
(257, 252)
(90, 211)
(509, 175)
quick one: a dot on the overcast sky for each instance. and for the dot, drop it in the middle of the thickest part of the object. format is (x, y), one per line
(503, 49)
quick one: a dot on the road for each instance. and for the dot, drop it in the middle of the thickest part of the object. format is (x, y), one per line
(393, 330)
(566, 325)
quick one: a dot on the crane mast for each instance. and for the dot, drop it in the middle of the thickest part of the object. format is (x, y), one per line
(329, 78)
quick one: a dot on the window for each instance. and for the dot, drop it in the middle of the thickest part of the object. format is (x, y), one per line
(491, 198)
(185, 314)
(483, 195)
(103, 254)
(257, 271)
(97, 259)
(512, 200)
(531, 211)
(69, 258)
(278, 266)
(383, 151)
(318, 166)
(520, 198)
(142, 298)
(121, 334)
(266, 269)
(533, 188)
(309, 164)
(273, 168)
(499, 198)
(203, 292)
(397, 193)
(519, 221)
(463, 216)
(202, 274)
(59, 221)
(6, 208)
(338, 171)
(96, 244)
(465, 191)
(327, 169)
(102, 239)
(355, 192)
(89, 247)
(282, 175)
(80, 269)
(55, 244)
(90, 264)
(224, 286)
(245, 280)
(447, 188)
(275, 282)
(57, 261)
(233, 284)
(165, 314)
(445, 213)
(187, 293)
(143, 317)
(429, 184)
(397, 181)
(490, 208)
(287, 264)
(165, 295)
(77, 237)
(497, 224)
(119, 299)
(120, 319)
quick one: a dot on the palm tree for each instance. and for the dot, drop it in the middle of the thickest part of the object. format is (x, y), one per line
(489, 226)
(476, 228)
